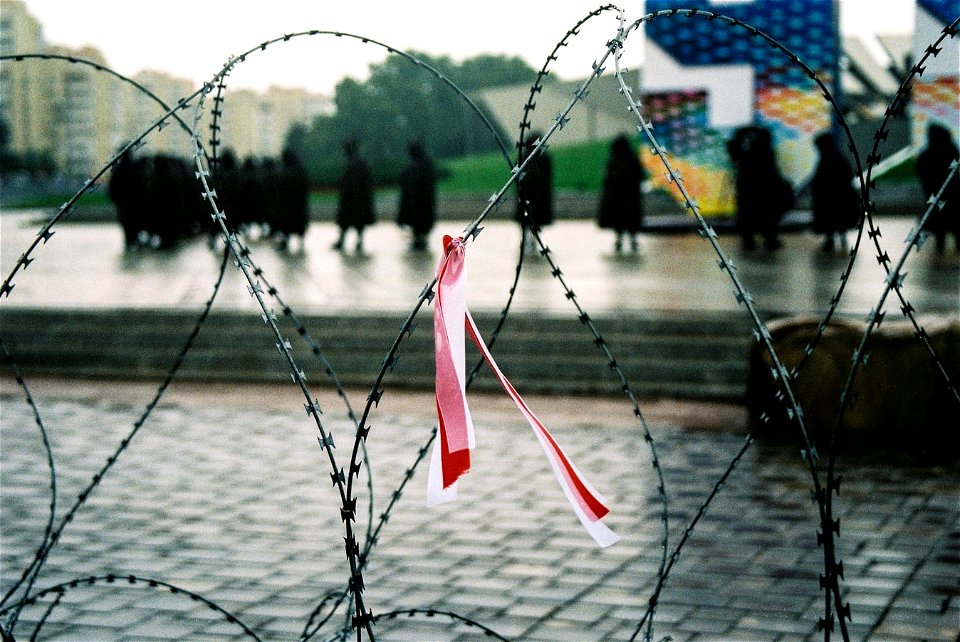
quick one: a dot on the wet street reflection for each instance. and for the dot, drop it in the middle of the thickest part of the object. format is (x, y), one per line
(85, 264)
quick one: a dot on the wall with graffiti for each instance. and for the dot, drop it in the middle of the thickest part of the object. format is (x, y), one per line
(935, 95)
(704, 78)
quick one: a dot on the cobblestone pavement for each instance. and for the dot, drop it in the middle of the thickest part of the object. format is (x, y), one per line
(227, 495)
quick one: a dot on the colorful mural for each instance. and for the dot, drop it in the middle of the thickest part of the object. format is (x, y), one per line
(935, 95)
(704, 78)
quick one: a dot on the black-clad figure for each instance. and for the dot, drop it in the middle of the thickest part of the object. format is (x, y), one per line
(355, 207)
(535, 188)
(834, 198)
(418, 196)
(168, 220)
(763, 194)
(127, 190)
(933, 166)
(249, 210)
(621, 199)
(293, 193)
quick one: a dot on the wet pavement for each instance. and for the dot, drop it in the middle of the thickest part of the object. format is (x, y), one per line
(224, 492)
(85, 265)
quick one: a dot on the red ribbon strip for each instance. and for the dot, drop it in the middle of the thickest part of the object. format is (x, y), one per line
(451, 453)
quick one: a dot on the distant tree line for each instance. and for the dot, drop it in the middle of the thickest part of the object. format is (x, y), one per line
(401, 103)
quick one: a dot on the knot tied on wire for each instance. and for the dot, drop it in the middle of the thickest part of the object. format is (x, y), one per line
(450, 458)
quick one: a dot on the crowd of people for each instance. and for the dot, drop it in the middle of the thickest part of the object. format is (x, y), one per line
(417, 208)
(158, 203)
(763, 195)
(934, 164)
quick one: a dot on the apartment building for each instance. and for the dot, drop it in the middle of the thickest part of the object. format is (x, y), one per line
(68, 104)
(27, 120)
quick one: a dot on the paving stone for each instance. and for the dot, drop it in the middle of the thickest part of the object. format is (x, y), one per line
(749, 574)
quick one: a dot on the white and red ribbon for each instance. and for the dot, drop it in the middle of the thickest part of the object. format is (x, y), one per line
(451, 452)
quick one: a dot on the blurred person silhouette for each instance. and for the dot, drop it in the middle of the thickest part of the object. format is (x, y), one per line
(834, 198)
(933, 166)
(169, 219)
(763, 195)
(271, 212)
(355, 205)
(293, 201)
(127, 191)
(418, 195)
(534, 188)
(248, 211)
(621, 199)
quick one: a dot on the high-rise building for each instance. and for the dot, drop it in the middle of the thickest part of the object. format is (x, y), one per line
(28, 121)
(80, 114)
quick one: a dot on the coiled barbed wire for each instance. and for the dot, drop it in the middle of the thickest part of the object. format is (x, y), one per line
(364, 618)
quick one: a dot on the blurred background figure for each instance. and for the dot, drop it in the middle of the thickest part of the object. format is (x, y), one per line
(127, 190)
(621, 199)
(293, 207)
(763, 195)
(534, 189)
(834, 199)
(355, 206)
(933, 166)
(250, 211)
(418, 196)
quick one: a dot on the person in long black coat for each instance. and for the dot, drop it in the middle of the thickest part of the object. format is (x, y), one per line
(835, 201)
(293, 196)
(621, 199)
(933, 166)
(763, 194)
(355, 207)
(169, 217)
(127, 190)
(535, 187)
(418, 196)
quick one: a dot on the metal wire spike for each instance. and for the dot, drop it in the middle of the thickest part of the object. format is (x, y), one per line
(326, 442)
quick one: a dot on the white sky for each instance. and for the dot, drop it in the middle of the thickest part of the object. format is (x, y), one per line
(194, 38)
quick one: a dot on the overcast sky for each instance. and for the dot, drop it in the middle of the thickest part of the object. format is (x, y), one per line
(194, 38)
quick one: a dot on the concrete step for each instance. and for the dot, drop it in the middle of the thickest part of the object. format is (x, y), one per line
(702, 356)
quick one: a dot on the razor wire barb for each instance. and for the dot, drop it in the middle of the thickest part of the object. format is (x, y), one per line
(51, 536)
(707, 232)
(832, 567)
(362, 619)
(256, 280)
